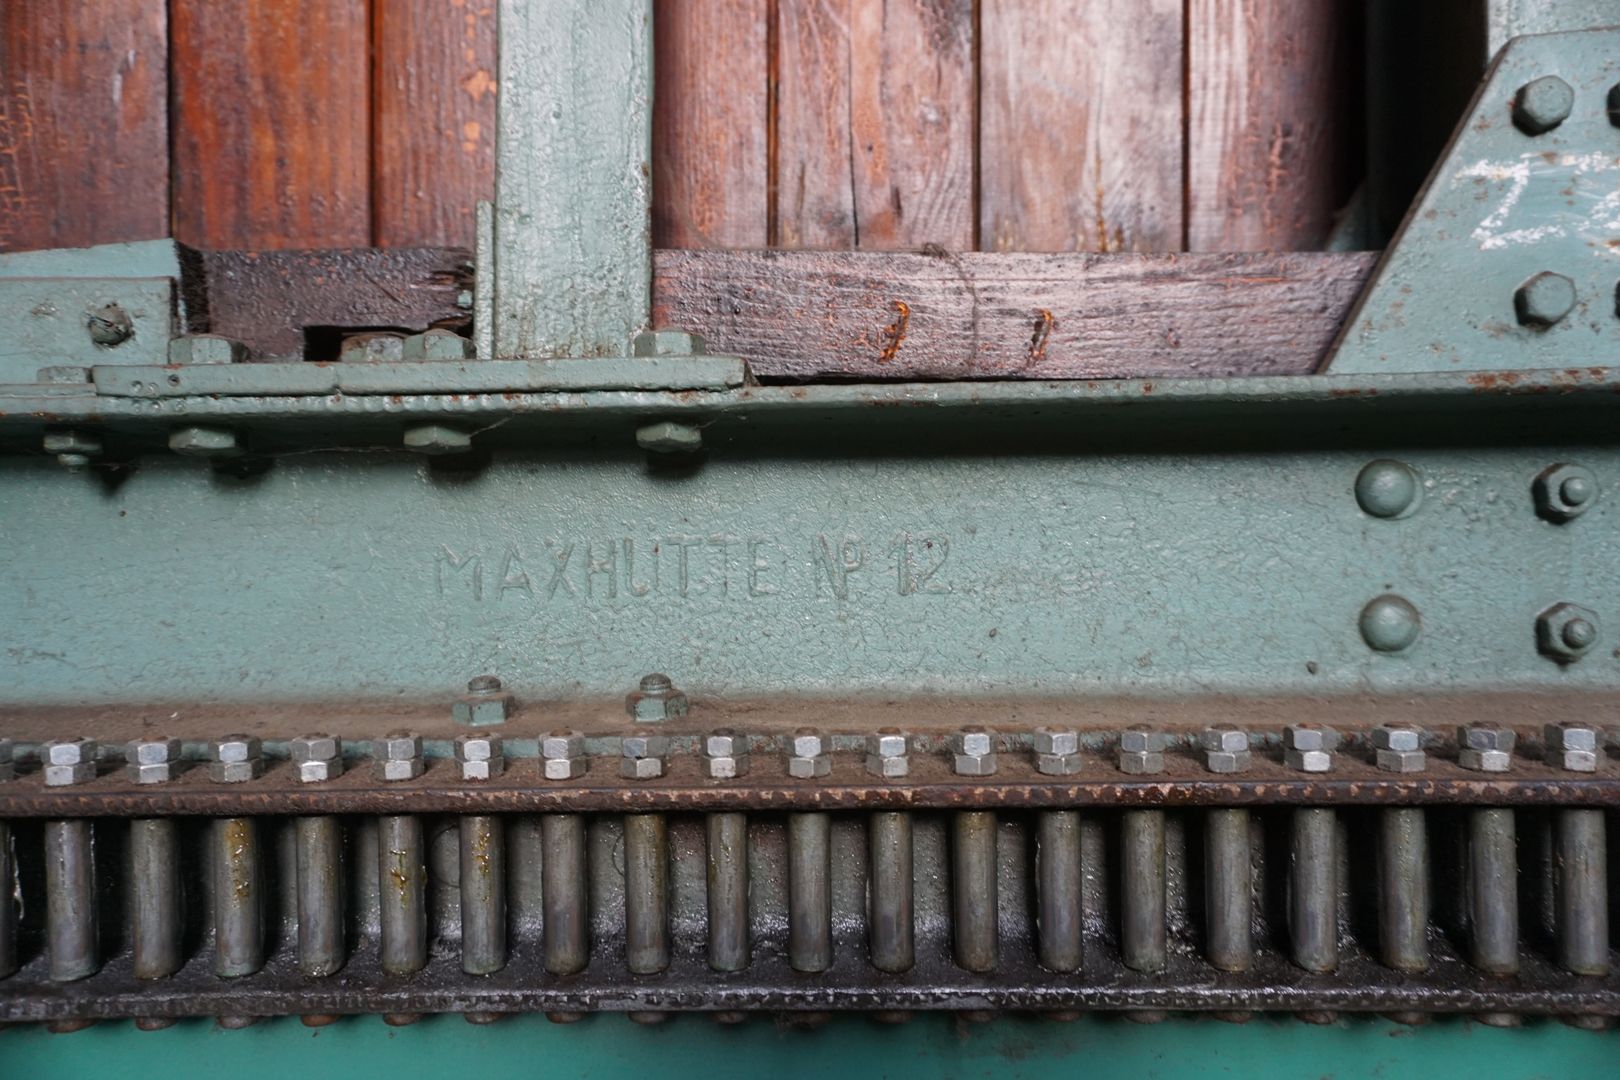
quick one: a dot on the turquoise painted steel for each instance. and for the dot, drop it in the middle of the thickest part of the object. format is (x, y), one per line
(609, 1047)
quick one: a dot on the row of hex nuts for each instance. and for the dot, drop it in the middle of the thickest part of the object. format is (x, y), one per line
(398, 755)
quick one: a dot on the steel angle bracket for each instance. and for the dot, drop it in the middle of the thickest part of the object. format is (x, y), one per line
(1510, 257)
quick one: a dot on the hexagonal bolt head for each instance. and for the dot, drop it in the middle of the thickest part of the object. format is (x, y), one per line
(809, 754)
(235, 759)
(1398, 748)
(69, 761)
(1485, 748)
(1057, 751)
(438, 344)
(562, 755)
(398, 756)
(479, 756)
(8, 759)
(153, 760)
(670, 437)
(1573, 747)
(437, 439)
(1226, 749)
(656, 699)
(1566, 632)
(372, 348)
(1564, 492)
(725, 754)
(206, 349)
(209, 442)
(888, 753)
(483, 704)
(73, 448)
(316, 757)
(642, 756)
(973, 752)
(668, 343)
(1544, 299)
(1309, 747)
(1542, 104)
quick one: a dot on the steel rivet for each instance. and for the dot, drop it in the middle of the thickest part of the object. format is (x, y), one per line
(1387, 489)
(1542, 104)
(1576, 490)
(1390, 623)
(110, 326)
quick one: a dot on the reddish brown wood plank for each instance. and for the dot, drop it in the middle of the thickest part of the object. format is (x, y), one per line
(1080, 147)
(819, 315)
(709, 123)
(433, 147)
(1273, 123)
(84, 143)
(875, 124)
(271, 103)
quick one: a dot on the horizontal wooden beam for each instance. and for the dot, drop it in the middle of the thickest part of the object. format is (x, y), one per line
(805, 316)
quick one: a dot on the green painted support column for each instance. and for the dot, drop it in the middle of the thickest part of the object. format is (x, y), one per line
(573, 191)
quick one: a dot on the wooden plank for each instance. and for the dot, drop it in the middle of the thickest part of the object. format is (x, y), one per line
(1080, 147)
(271, 136)
(1272, 125)
(433, 103)
(84, 130)
(875, 124)
(710, 167)
(819, 315)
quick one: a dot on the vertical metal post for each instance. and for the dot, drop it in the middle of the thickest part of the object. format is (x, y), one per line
(1583, 892)
(483, 894)
(8, 905)
(646, 893)
(238, 898)
(1493, 890)
(728, 891)
(1143, 934)
(893, 924)
(402, 872)
(154, 859)
(809, 892)
(566, 922)
(1403, 888)
(1229, 889)
(573, 190)
(974, 902)
(1313, 889)
(70, 900)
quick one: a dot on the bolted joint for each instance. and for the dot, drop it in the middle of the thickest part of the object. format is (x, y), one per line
(1309, 747)
(316, 757)
(1542, 104)
(1141, 751)
(479, 757)
(887, 753)
(1565, 632)
(973, 752)
(562, 755)
(436, 439)
(655, 699)
(1485, 747)
(235, 759)
(153, 760)
(209, 442)
(670, 437)
(437, 344)
(398, 756)
(1398, 748)
(206, 349)
(1573, 747)
(485, 703)
(642, 756)
(69, 761)
(1564, 492)
(809, 754)
(725, 754)
(74, 448)
(1057, 751)
(1226, 749)
(1544, 299)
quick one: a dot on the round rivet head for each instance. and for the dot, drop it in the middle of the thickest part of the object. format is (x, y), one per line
(1576, 491)
(1387, 489)
(1579, 634)
(1390, 623)
(1544, 299)
(1542, 104)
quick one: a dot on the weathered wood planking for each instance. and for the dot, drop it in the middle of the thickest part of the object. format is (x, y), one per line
(1272, 122)
(820, 315)
(270, 112)
(84, 132)
(710, 164)
(433, 99)
(875, 124)
(1080, 107)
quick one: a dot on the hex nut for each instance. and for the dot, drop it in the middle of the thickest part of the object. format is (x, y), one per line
(479, 756)
(1573, 747)
(642, 756)
(69, 761)
(235, 759)
(1055, 740)
(437, 439)
(1542, 104)
(641, 768)
(436, 344)
(1564, 492)
(809, 755)
(153, 760)
(888, 754)
(1057, 764)
(973, 752)
(562, 755)
(1402, 738)
(206, 349)
(1400, 761)
(1228, 761)
(1308, 760)
(482, 708)
(670, 437)
(398, 756)
(1141, 762)
(200, 441)
(1140, 740)
(655, 699)
(1485, 748)
(1309, 747)
(1544, 299)
(725, 754)
(1565, 632)
(316, 757)
(1484, 760)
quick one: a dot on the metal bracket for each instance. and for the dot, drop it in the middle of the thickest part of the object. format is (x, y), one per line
(1510, 257)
